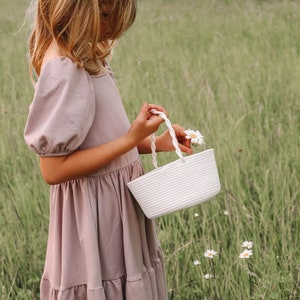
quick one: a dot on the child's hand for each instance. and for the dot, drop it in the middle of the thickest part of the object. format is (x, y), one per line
(164, 141)
(145, 123)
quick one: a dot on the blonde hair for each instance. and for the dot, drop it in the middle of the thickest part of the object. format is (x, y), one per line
(76, 27)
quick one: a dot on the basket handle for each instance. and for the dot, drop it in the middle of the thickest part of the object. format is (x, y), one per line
(172, 134)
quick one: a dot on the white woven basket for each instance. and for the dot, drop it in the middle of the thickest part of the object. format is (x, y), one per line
(183, 183)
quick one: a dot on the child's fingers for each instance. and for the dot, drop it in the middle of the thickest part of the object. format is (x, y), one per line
(185, 149)
(150, 121)
(159, 108)
(184, 143)
(180, 133)
(144, 111)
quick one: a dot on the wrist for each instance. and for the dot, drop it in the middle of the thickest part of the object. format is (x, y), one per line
(144, 147)
(158, 144)
(130, 140)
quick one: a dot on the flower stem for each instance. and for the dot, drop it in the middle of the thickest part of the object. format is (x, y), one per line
(250, 281)
(213, 272)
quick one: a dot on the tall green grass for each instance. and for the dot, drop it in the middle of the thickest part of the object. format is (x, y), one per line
(231, 70)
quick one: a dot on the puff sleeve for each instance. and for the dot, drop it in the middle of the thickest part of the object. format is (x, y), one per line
(62, 110)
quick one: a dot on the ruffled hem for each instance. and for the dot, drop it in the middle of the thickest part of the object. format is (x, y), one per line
(149, 286)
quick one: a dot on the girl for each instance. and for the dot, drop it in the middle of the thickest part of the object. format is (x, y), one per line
(100, 244)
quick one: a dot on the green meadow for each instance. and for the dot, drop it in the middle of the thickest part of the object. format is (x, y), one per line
(228, 68)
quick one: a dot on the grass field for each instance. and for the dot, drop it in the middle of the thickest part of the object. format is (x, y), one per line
(228, 68)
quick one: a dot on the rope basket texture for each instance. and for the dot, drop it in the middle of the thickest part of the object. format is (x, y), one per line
(186, 182)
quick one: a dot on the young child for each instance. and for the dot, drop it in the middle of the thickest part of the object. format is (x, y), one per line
(100, 244)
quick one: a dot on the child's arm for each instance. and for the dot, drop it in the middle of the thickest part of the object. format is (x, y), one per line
(58, 169)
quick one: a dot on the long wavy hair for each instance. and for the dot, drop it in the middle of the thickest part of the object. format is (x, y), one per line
(76, 27)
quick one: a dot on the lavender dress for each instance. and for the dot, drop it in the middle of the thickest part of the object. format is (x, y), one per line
(100, 244)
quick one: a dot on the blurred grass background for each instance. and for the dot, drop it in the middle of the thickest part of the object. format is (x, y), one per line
(228, 68)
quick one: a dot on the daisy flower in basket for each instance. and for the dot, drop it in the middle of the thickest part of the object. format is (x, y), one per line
(195, 136)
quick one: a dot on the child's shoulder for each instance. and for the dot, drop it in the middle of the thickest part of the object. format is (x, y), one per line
(52, 52)
(55, 62)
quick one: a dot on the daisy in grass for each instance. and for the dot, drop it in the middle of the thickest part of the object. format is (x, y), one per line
(195, 136)
(208, 276)
(196, 262)
(246, 254)
(226, 213)
(210, 253)
(247, 244)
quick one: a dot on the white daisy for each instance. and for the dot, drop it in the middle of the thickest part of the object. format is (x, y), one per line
(246, 254)
(208, 276)
(196, 262)
(247, 244)
(195, 136)
(210, 253)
